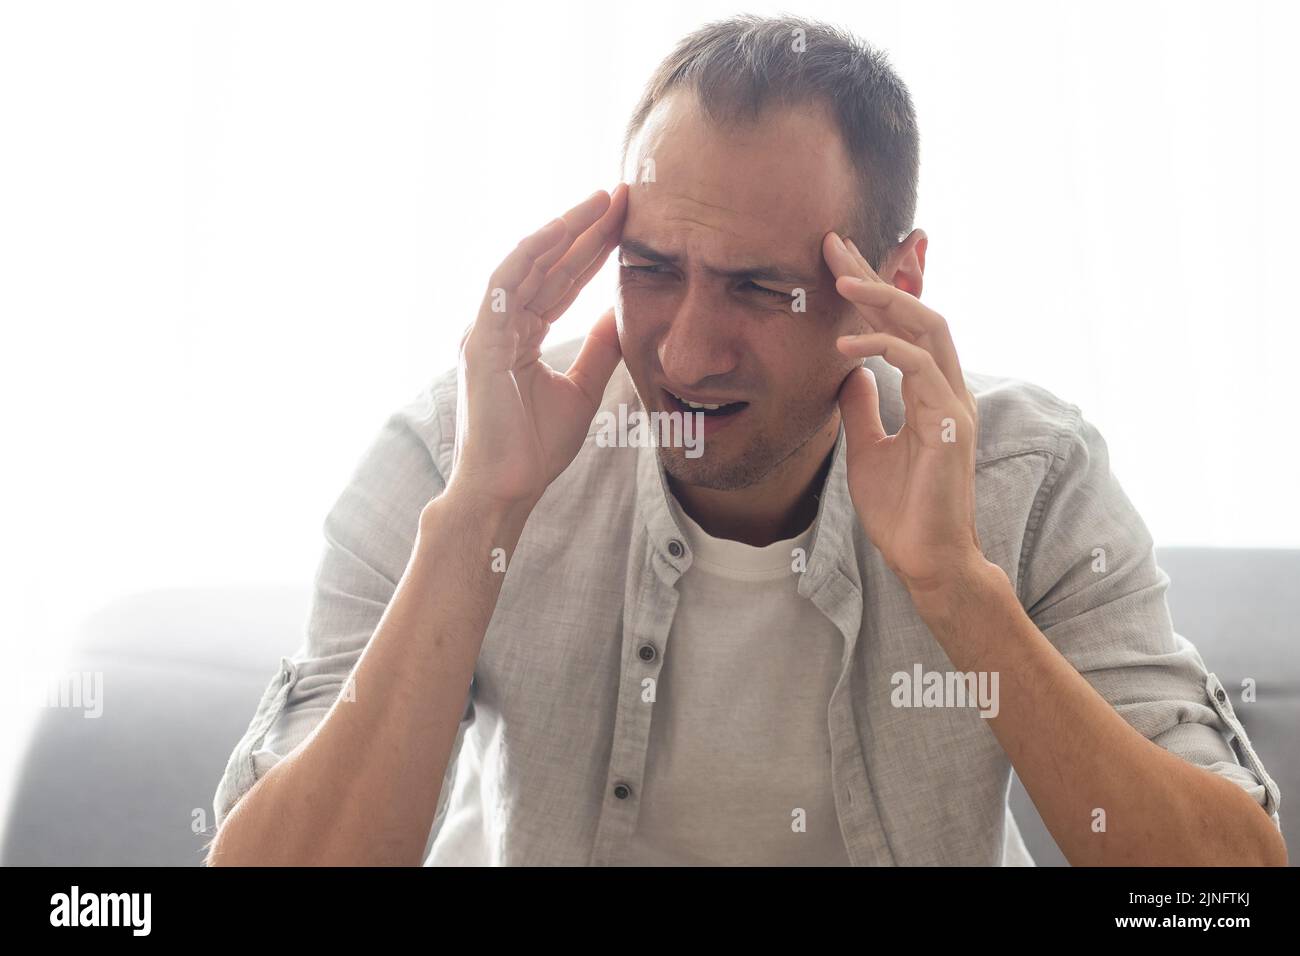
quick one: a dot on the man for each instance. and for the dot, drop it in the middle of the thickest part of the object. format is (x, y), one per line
(823, 635)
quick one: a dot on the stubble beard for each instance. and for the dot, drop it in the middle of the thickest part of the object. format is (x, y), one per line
(756, 462)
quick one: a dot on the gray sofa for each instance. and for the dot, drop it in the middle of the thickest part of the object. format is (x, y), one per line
(183, 671)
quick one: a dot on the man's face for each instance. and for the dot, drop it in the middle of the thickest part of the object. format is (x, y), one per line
(712, 251)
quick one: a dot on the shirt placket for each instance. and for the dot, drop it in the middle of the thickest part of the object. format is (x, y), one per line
(833, 584)
(649, 608)
(855, 803)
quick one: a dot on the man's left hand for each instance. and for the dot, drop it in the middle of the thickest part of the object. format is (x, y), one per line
(914, 491)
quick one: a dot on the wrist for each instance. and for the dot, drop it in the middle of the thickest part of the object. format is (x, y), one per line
(491, 521)
(972, 587)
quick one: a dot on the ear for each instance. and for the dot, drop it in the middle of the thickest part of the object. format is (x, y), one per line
(905, 267)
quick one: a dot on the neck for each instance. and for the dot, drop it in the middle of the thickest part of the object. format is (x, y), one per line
(777, 508)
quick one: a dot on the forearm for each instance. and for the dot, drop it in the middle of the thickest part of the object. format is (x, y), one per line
(363, 788)
(1075, 754)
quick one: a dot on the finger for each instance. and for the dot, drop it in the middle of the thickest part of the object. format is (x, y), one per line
(879, 297)
(901, 311)
(516, 266)
(576, 221)
(904, 312)
(557, 310)
(542, 325)
(859, 401)
(841, 260)
(863, 264)
(532, 332)
(491, 333)
(916, 364)
(852, 271)
(593, 244)
(865, 271)
(597, 359)
(573, 221)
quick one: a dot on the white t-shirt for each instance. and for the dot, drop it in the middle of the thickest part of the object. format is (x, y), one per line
(738, 771)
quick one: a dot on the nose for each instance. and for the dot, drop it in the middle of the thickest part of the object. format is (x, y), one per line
(700, 342)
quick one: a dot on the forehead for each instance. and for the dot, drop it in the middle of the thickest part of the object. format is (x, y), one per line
(772, 186)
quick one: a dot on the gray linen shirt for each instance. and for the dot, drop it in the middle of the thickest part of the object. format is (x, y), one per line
(551, 751)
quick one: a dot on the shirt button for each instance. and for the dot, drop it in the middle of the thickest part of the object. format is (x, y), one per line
(622, 791)
(647, 652)
(1221, 695)
(675, 548)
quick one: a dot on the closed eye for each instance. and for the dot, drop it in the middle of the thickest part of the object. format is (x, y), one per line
(748, 286)
(755, 287)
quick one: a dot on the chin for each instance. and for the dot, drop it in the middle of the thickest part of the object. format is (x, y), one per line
(718, 474)
(755, 461)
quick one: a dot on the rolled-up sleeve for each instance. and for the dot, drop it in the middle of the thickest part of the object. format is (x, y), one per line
(369, 533)
(1090, 582)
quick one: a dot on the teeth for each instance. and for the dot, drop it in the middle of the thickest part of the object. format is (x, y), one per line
(701, 405)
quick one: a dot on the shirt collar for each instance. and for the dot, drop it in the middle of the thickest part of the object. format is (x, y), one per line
(832, 551)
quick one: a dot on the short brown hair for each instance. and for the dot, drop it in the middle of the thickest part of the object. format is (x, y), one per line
(736, 67)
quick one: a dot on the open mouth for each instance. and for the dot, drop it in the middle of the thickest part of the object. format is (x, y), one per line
(710, 409)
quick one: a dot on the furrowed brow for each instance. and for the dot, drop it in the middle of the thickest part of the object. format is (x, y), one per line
(640, 249)
(766, 272)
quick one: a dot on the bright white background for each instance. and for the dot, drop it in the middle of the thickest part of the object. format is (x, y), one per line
(235, 236)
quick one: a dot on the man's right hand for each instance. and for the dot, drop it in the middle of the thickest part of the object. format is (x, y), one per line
(519, 423)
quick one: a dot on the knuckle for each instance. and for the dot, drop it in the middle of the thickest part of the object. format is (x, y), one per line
(521, 248)
(933, 321)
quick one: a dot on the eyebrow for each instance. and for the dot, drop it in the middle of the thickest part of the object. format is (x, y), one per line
(771, 272)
